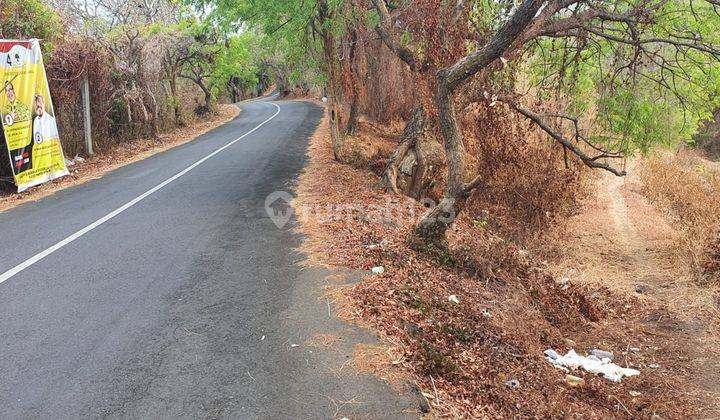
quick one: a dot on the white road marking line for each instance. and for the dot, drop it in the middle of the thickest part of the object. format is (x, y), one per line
(32, 260)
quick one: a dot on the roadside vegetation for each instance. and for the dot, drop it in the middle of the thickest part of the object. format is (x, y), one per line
(152, 67)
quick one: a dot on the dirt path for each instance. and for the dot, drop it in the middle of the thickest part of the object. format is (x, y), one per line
(644, 270)
(620, 241)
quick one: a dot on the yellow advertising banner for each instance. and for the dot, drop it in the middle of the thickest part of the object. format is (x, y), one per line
(28, 118)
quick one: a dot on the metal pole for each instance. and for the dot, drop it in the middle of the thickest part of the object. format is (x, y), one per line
(86, 116)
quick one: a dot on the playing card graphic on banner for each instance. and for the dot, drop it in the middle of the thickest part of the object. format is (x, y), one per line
(28, 118)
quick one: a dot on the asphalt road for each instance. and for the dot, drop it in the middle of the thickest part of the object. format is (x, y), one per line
(176, 296)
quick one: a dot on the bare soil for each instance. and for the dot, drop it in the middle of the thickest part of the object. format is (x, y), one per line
(120, 155)
(620, 241)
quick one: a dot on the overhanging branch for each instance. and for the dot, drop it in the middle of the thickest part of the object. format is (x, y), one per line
(390, 39)
(588, 160)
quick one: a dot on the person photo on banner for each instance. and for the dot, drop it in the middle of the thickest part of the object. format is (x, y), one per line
(14, 110)
(44, 126)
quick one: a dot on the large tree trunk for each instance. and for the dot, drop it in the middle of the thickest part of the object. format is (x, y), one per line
(176, 100)
(351, 128)
(422, 169)
(354, 116)
(434, 225)
(333, 100)
(333, 74)
(415, 131)
(414, 128)
(334, 116)
(208, 96)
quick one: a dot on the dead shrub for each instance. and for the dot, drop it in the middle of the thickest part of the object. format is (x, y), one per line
(67, 65)
(526, 184)
(708, 137)
(117, 116)
(711, 261)
(389, 95)
(686, 187)
(369, 148)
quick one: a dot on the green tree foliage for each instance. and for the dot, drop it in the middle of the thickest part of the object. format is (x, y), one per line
(291, 43)
(237, 64)
(639, 96)
(212, 57)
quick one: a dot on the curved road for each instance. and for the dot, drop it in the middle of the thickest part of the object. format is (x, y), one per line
(170, 293)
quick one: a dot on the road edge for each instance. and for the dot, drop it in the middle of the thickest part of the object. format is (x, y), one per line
(365, 357)
(98, 166)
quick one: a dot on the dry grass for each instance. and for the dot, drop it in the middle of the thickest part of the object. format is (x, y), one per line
(382, 361)
(323, 340)
(687, 188)
(369, 148)
(526, 185)
(120, 155)
(339, 302)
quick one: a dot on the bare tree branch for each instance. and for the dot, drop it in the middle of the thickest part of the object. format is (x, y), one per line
(472, 63)
(590, 161)
(390, 38)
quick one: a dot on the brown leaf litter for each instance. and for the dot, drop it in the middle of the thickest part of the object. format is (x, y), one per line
(509, 309)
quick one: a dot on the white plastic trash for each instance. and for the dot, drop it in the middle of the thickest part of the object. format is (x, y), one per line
(591, 363)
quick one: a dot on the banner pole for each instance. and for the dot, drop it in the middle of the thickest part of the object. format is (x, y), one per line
(86, 116)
